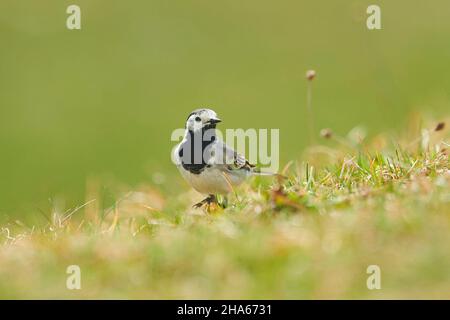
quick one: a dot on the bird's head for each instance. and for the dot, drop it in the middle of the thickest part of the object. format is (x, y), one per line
(201, 120)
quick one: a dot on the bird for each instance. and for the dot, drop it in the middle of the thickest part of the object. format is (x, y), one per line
(209, 165)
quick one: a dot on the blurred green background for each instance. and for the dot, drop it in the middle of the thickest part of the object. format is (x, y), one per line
(103, 101)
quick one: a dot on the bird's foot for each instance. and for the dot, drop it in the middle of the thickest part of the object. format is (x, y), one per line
(208, 202)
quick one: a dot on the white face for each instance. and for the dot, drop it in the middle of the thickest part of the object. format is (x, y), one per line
(201, 118)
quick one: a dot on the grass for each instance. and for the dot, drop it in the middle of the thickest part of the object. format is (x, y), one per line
(347, 204)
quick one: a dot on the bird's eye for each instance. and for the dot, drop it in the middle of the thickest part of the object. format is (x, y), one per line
(197, 119)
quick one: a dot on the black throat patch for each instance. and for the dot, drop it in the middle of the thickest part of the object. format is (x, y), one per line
(193, 151)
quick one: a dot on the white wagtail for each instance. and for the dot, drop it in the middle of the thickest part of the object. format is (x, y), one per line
(208, 164)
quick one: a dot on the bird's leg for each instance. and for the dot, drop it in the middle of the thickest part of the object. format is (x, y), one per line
(207, 201)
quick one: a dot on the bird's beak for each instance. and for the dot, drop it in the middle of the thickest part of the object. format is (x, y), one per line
(214, 121)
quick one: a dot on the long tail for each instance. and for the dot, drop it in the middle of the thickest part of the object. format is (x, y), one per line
(258, 172)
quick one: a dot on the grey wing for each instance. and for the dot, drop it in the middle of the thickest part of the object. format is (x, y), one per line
(226, 156)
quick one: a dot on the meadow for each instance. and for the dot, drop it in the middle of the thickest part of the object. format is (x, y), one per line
(86, 178)
(309, 235)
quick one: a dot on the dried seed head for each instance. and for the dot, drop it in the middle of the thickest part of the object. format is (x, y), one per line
(440, 126)
(326, 133)
(310, 75)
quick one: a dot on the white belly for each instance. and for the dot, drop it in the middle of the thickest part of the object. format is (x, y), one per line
(213, 181)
